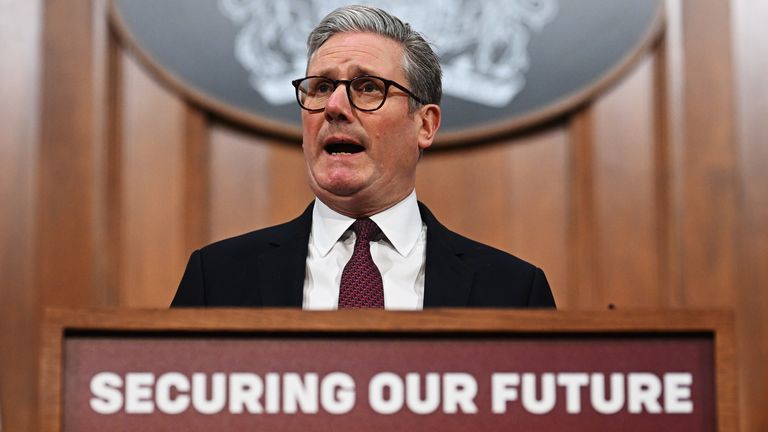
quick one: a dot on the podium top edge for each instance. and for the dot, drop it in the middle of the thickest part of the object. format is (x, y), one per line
(431, 320)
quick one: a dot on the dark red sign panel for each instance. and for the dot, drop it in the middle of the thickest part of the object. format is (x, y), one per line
(328, 383)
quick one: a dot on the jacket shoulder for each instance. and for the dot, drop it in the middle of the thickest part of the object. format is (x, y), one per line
(502, 279)
(258, 241)
(473, 250)
(227, 272)
(499, 279)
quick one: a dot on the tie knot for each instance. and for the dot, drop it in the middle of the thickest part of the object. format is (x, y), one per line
(365, 229)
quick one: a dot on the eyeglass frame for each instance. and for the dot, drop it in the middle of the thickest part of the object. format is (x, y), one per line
(347, 83)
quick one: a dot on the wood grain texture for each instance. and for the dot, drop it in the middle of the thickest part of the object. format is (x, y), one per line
(289, 190)
(102, 293)
(255, 182)
(449, 320)
(493, 195)
(348, 322)
(710, 206)
(241, 176)
(50, 364)
(583, 268)
(537, 207)
(751, 62)
(70, 219)
(624, 194)
(671, 152)
(153, 187)
(113, 147)
(239, 183)
(666, 108)
(653, 194)
(197, 178)
(20, 26)
(474, 202)
(68, 158)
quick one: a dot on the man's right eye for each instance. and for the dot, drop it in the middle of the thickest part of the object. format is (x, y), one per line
(324, 87)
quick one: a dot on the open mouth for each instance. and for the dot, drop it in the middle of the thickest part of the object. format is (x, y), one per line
(343, 148)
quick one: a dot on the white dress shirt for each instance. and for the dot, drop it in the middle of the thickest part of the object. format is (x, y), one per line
(400, 255)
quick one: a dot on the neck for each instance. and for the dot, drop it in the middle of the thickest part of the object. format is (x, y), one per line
(356, 208)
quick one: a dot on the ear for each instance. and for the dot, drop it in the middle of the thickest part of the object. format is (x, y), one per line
(429, 117)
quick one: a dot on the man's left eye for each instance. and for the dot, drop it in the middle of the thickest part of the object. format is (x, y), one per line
(368, 86)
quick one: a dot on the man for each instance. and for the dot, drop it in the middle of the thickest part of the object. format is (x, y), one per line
(370, 106)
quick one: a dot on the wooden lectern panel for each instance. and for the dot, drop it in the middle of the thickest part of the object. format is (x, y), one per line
(448, 370)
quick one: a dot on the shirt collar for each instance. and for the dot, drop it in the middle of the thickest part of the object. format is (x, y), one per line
(401, 224)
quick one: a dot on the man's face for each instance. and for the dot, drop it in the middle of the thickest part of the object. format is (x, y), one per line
(376, 166)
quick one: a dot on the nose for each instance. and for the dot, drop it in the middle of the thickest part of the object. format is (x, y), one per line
(338, 107)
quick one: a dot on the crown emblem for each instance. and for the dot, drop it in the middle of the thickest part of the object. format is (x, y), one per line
(483, 45)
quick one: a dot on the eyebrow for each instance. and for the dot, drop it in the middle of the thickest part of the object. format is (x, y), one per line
(356, 71)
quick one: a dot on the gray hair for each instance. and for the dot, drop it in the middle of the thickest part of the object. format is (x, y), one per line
(420, 63)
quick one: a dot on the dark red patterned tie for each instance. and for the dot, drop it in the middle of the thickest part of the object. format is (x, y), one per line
(361, 285)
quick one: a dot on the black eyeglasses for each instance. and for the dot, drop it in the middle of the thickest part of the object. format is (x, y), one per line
(365, 92)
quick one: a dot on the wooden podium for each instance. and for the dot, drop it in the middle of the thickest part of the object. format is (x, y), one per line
(447, 370)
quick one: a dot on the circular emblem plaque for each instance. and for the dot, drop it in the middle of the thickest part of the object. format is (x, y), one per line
(507, 64)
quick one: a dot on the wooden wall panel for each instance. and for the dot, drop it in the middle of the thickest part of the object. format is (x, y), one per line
(710, 195)
(651, 196)
(288, 188)
(239, 183)
(667, 150)
(582, 231)
(491, 194)
(751, 61)
(197, 178)
(255, 183)
(20, 24)
(538, 207)
(69, 156)
(625, 194)
(153, 190)
(475, 202)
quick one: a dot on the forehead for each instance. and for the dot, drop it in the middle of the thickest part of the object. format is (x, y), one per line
(345, 55)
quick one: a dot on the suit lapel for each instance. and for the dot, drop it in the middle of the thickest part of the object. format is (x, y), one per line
(281, 270)
(448, 281)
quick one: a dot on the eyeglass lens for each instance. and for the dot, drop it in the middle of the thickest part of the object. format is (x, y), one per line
(366, 93)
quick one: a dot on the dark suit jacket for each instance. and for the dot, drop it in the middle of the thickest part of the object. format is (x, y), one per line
(265, 268)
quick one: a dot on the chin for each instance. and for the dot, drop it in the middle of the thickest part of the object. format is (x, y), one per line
(341, 183)
(341, 188)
